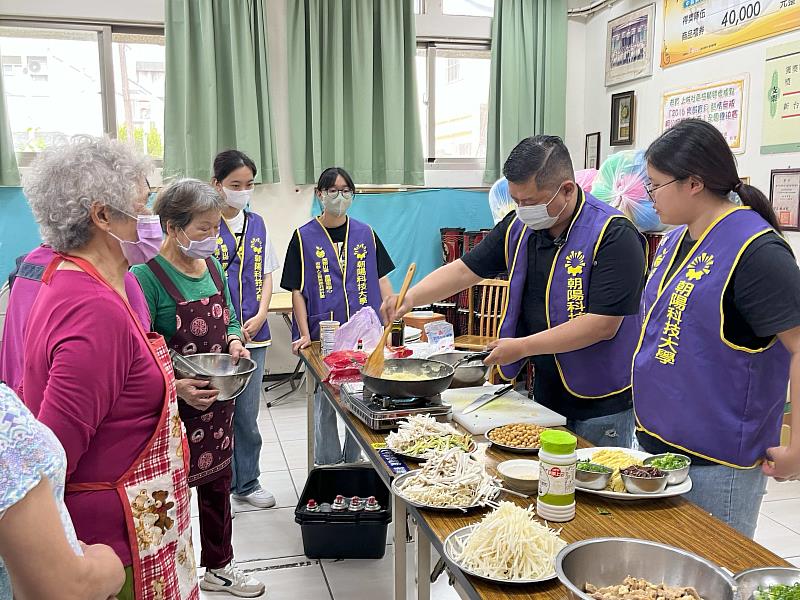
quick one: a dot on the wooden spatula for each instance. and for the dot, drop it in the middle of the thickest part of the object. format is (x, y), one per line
(374, 364)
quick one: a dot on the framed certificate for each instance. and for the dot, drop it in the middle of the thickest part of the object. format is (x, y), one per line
(784, 194)
(591, 158)
(623, 118)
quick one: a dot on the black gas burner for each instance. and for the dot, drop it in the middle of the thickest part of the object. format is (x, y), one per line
(388, 403)
(383, 412)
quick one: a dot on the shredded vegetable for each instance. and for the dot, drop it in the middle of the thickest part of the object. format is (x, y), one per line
(422, 436)
(778, 592)
(451, 479)
(615, 459)
(669, 462)
(509, 544)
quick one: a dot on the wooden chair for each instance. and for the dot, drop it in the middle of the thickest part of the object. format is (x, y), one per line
(493, 298)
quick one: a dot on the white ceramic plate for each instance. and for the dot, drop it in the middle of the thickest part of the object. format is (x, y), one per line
(669, 491)
(399, 479)
(460, 535)
(411, 334)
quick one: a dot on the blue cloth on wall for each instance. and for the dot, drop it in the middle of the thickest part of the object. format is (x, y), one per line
(408, 223)
(19, 233)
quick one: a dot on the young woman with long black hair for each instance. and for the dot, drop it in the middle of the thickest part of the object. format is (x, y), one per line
(721, 327)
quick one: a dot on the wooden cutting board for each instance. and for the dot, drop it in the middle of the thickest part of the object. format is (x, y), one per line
(510, 408)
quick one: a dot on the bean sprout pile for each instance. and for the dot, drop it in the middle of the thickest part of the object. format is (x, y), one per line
(450, 479)
(422, 436)
(509, 544)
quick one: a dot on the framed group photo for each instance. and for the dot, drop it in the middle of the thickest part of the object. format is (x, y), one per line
(629, 46)
(623, 118)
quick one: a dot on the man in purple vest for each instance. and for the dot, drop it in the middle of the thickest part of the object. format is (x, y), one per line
(576, 269)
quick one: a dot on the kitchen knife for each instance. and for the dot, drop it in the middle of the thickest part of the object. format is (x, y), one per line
(486, 398)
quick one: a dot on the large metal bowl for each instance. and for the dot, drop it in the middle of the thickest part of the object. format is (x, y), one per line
(470, 374)
(227, 376)
(607, 561)
(752, 579)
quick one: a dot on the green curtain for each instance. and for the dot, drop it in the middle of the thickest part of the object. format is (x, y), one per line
(353, 90)
(528, 77)
(217, 87)
(9, 173)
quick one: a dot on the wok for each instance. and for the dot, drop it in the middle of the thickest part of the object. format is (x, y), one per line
(438, 377)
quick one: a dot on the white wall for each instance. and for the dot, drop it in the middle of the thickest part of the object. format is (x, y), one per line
(117, 11)
(588, 37)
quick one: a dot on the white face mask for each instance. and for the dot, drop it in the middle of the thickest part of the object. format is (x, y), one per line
(536, 217)
(336, 205)
(237, 199)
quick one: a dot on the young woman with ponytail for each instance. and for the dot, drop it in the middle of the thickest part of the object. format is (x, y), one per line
(721, 328)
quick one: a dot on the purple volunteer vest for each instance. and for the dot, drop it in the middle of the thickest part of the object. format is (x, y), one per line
(330, 291)
(692, 388)
(245, 268)
(601, 369)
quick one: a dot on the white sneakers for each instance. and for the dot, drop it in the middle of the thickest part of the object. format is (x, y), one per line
(259, 497)
(233, 581)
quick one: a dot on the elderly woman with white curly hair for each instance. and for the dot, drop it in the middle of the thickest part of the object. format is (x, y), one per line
(96, 378)
(190, 305)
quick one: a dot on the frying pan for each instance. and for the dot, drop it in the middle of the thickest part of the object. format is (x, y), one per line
(438, 377)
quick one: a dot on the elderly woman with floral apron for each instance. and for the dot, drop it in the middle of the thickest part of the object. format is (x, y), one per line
(191, 306)
(94, 376)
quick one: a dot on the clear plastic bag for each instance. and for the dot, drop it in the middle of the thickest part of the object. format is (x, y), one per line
(621, 183)
(365, 326)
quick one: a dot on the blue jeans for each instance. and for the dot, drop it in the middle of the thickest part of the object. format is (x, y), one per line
(610, 430)
(246, 437)
(731, 495)
(327, 448)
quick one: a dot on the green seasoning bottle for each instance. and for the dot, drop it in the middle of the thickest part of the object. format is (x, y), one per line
(557, 459)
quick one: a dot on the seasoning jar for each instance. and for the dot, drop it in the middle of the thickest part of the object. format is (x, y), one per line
(398, 329)
(557, 460)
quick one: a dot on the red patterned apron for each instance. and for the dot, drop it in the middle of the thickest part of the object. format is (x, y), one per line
(154, 491)
(202, 326)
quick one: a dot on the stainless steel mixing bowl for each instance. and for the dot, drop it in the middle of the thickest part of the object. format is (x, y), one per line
(470, 374)
(752, 579)
(607, 561)
(228, 377)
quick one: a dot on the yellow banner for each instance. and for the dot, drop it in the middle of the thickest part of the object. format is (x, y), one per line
(695, 28)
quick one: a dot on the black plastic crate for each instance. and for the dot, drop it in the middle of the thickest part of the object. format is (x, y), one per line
(328, 534)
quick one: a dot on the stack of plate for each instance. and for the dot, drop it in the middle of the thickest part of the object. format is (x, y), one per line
(412, 334)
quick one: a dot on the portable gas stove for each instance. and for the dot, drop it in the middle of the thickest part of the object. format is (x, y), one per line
(381, 412)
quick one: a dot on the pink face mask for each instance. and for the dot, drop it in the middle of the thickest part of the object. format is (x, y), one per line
(148, 244)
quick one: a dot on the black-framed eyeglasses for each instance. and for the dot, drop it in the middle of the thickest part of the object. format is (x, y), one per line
(333, 193)
(652, 188)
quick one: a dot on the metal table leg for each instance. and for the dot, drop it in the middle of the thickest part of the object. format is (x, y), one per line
(310, 387)
(423, 566)
(399, 517)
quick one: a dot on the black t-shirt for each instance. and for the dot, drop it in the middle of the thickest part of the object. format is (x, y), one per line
(615, 289)
(762, 300)
(292, 267)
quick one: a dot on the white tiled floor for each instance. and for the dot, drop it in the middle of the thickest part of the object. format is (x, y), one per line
(267, 543)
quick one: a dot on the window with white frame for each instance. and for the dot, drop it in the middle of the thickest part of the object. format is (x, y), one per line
(62, 80)
(453, 73)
